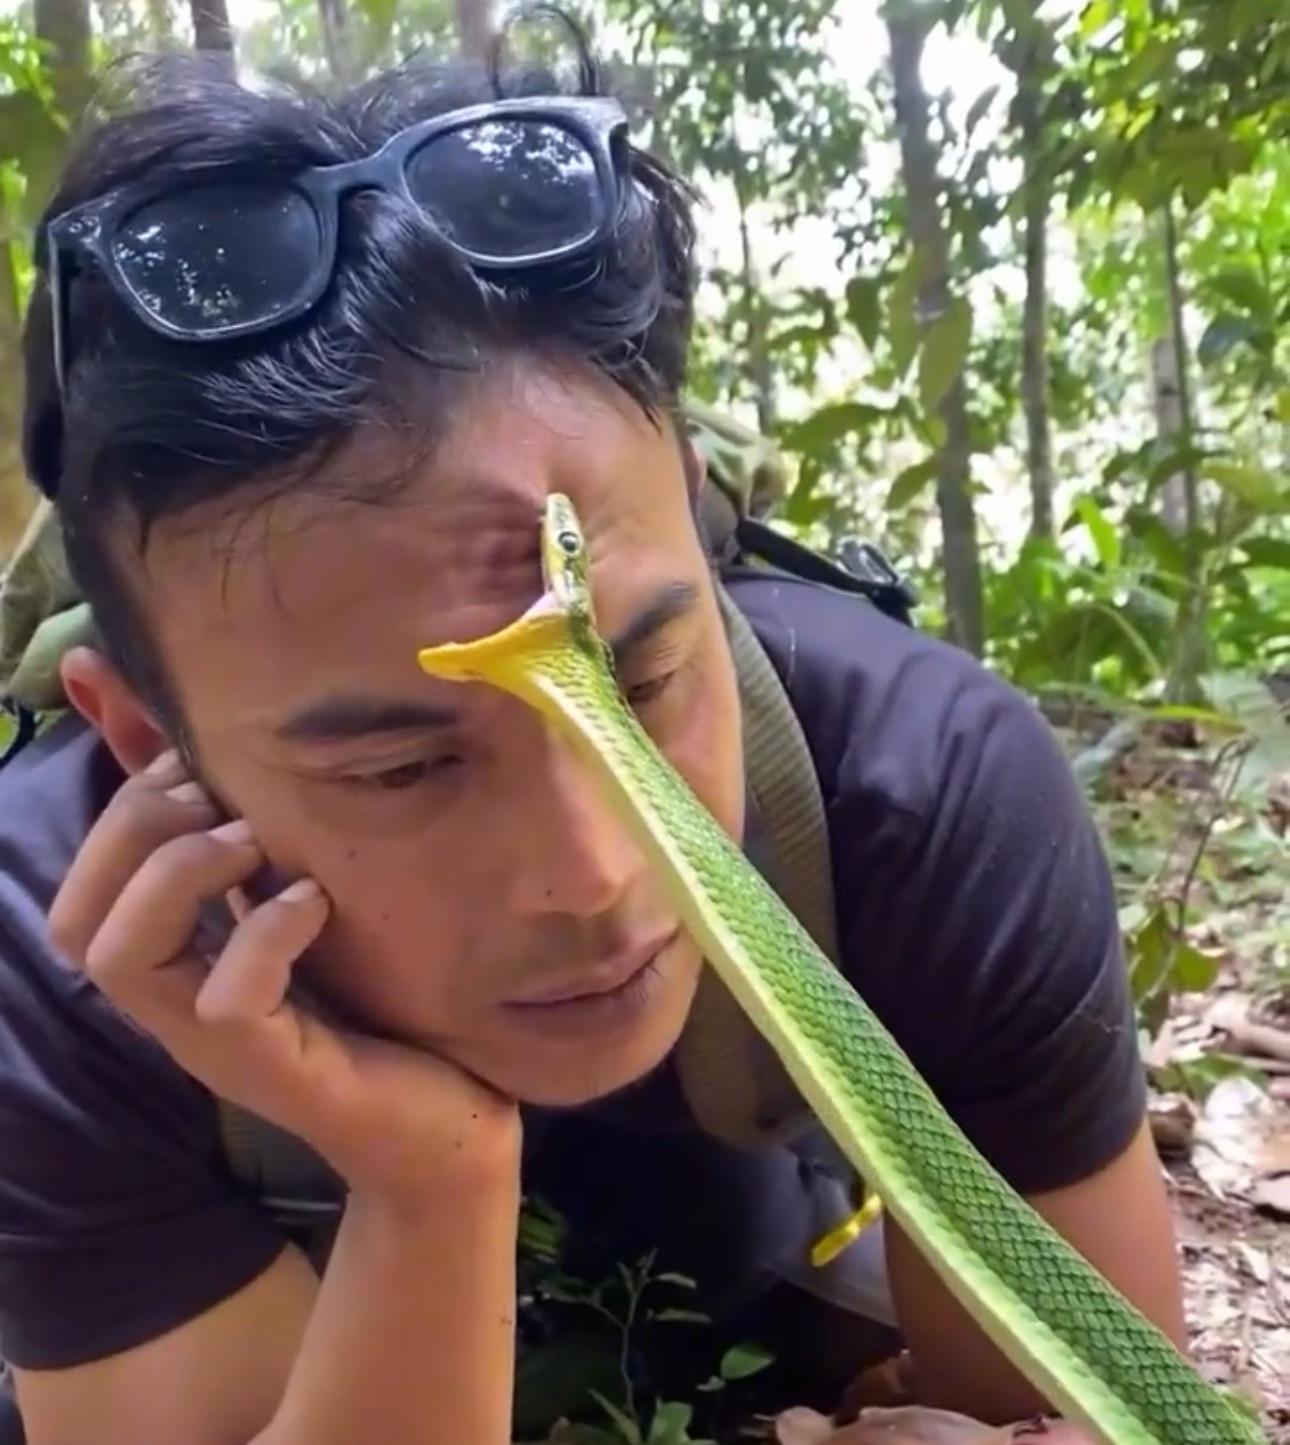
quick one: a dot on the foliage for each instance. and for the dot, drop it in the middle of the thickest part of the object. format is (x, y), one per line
(622, 1404)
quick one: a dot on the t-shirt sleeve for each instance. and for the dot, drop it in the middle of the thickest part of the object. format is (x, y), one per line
(984, 929)
(118, 1221)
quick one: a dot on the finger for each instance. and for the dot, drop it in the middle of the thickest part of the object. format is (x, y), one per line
(250, 979)
(152, 920)
(145, 812)
(231, 1025)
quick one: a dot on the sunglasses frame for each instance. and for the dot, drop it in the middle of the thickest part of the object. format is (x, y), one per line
(597, 122)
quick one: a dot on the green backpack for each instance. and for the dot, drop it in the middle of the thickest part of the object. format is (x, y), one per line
(733, 1083)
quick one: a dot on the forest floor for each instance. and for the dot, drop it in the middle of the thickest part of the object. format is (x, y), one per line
(1210, 844)
(1201, 835)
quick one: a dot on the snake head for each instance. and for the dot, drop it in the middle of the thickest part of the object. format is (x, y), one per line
(566, 569)
(563, 614)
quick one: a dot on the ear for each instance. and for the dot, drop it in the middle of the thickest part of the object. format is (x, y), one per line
(108, 703)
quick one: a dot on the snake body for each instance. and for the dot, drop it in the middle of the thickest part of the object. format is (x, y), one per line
(1073, 1336)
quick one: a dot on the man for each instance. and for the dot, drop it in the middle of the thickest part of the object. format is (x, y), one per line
(299, 376)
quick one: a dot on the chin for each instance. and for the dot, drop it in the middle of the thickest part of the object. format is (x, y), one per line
(566, 1063)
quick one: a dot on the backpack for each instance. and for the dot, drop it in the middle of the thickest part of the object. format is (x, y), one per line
(733, 1083)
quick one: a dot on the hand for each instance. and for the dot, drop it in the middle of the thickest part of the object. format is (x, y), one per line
(913, 1425)
(391, 1120)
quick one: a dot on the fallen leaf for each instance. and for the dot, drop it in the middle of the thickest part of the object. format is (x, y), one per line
(1237, 1137)
(1272, 1195)
(914, 1425)
(1256, 1261)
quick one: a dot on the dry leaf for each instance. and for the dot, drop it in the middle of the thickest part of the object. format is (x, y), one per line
(1256, 1261)
(914, 1425)
(1237, 1137)
(1272, 1195)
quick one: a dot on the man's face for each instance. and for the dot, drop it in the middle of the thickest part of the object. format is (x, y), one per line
(475, 871)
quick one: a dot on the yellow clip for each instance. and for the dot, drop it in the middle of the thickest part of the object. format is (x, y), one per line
(826, 1250)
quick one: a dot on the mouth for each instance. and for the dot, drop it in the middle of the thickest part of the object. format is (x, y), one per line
(614, 976)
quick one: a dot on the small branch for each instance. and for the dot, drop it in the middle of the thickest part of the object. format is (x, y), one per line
(1258, 1040)
(1235, 749)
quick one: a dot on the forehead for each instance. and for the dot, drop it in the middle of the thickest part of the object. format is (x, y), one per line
(259, 608)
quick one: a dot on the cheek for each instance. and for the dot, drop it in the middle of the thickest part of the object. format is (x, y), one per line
(702, 738)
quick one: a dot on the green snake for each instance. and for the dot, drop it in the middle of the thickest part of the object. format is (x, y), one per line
(1065, 1328)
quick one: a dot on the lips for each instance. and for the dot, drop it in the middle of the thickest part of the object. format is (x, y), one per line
(604, 978)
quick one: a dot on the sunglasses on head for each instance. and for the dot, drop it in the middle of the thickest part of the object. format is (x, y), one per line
(512, 186)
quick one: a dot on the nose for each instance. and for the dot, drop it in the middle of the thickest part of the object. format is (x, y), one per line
(571, 854)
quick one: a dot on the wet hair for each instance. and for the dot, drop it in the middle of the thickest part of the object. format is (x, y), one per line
(150, 427)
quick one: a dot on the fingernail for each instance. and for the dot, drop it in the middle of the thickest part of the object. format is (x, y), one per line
(238, 832)
(301, 891)
(239, 904)
(162, 764)
(189, 793)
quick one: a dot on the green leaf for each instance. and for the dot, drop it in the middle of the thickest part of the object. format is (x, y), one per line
(683, 1281)
(864, 308)
(1224, 334)
(1105, 538)
(687, 1317)
(1193, 971)
(1262, 489)
(1246, 289)
(1117, 618)
(380, 15)
(1267, 551)
(1197, 1077)
(1250, 701)
(910, 484)
(1148, 949)
(825, 428)
(671, 1424)
(740, 1361)
(945, 349)
(627, 1427)
(1097, 15)
(1281, 407)
(1181, 712)
(902, 318)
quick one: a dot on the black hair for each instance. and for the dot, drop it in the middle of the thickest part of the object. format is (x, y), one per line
(149, 427)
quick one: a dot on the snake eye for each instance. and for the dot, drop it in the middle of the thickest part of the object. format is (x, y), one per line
(569, 542)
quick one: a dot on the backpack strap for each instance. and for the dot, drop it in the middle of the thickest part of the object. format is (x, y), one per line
(286, 1177)
(734, 1083)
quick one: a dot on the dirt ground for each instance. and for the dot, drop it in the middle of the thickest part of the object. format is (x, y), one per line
(1236, 1262)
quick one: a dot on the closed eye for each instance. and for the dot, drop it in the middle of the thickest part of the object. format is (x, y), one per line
(645, 692)
(405, 775)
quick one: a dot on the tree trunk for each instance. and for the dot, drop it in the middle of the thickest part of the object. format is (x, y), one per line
(161, 23)
(1037, 190)
(211, 28)
(64, 26)
(1190, 649)
(759, 368)
(16, 496)
(337, 40)
(475, 27)
(907, 26)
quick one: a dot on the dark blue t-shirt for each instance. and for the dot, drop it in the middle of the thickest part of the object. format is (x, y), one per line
(975, 914)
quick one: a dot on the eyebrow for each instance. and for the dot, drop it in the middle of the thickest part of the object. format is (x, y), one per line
(335, 719)
(671, 601)
(344, 717)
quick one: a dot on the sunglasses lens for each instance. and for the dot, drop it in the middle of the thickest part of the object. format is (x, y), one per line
(218, 257)
(510, 190)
